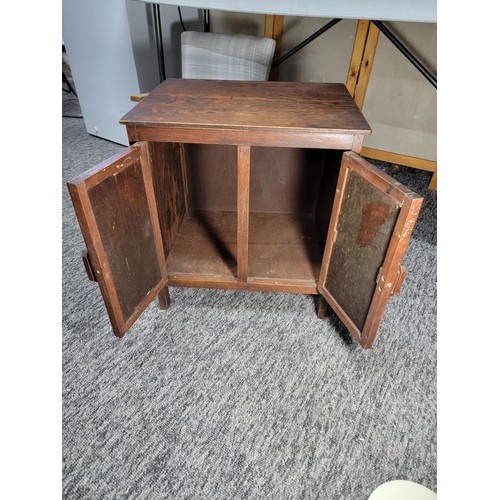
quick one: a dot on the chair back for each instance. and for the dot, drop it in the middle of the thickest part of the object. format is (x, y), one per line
(214, 56)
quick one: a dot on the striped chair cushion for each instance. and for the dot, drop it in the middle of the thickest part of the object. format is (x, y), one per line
(214, 56)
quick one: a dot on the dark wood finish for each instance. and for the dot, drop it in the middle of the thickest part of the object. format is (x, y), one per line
(326, 193)
(232, 188)
(184, 174)
(115, 206)
(391, 267)
(284, 246)
(164, 299)
(394, 203)
(250, 106)
(253, 284)
(88, 266)
(273, 138)
(357, 143)
(322, 307)
(281, 179)
(285, 180)
(403, 271)
(243, 211)
(169, 188)
(147, 177)
(279, 114)
(205, 245)
(213, 172)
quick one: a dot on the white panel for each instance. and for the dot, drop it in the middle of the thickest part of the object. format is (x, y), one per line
(395, 10)
(97, 40)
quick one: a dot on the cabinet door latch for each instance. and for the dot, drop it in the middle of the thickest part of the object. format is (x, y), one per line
(88, 265)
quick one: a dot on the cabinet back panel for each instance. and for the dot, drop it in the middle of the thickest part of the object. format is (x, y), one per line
(212, 176)
(282, 180)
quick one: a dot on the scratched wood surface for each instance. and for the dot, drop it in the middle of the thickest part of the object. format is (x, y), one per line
(281, 247)
(372, 219)
(365, 226)
(117, 213)
(250, 106)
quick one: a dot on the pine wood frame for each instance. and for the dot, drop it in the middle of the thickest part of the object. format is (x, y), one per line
(273, 28)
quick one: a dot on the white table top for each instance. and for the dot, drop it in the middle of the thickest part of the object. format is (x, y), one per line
(378, 10)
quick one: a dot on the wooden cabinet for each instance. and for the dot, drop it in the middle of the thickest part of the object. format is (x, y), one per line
(245, 185)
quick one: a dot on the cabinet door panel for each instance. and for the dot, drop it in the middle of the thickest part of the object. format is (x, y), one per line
(372, 220)
(116, 209)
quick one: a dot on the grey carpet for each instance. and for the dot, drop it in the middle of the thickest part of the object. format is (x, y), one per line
(239, 395)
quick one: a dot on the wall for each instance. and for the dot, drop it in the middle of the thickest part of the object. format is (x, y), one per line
(400, 104)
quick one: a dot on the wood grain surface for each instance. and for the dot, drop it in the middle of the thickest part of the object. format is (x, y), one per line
(321, 107)
(283, 249)
(116, 209)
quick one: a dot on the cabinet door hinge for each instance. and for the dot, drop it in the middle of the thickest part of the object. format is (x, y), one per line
(88, 265)
(394, 287)
(399, 279)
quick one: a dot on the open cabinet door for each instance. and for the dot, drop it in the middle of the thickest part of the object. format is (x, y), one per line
(116, 209)
(372, 219)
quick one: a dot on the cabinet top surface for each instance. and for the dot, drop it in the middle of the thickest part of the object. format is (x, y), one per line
(248, 105)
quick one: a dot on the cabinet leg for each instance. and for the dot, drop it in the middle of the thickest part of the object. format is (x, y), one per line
(164, 298)
(322, 307)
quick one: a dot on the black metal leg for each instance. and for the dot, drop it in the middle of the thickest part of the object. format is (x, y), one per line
(206, 20)
(159, 41)
(70, 87)
(397, 43)
(307, 41)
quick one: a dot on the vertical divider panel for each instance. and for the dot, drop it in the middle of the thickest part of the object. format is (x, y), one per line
(243, 211)
(184, 174)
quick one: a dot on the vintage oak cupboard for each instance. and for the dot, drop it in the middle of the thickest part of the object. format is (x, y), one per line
(245, 185)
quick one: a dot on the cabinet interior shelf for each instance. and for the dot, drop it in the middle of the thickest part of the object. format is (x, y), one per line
(281, 246)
